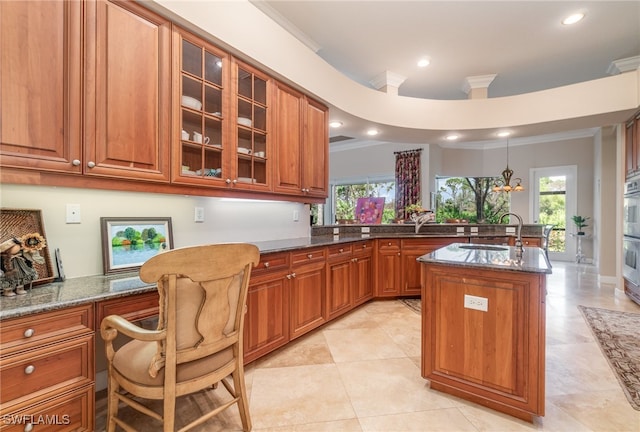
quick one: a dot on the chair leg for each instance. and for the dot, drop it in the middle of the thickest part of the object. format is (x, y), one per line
(112, 403)
(169, 413)
(241, 394)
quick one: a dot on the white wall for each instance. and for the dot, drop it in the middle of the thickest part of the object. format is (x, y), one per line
(226, 220)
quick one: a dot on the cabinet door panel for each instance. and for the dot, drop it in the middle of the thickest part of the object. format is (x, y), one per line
(339, 289)
(40, 84)
(288, 140)
(363, 279)
(267, 319)
(316, 150)
(307, 299)
(388, 273)
(128, 125)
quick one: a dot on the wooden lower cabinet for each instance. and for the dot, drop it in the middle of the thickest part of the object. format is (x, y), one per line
(493, 357)
(398, 272)
(362, 272)
(307, 292)
(47, 370)
(388, 262)
(266, 324)
(410, 282)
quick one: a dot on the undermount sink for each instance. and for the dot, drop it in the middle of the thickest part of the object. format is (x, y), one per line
(484, 247)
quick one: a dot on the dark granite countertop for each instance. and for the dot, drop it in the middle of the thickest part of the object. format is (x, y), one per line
(492, 257)
(90, 289)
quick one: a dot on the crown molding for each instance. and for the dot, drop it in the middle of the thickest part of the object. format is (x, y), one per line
(479, 81)
(538, 139)
(624, 65)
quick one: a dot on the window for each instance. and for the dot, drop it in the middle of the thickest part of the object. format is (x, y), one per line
(345, 198)
(470, 199)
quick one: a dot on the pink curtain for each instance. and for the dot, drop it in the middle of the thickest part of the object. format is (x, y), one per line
(407, 180)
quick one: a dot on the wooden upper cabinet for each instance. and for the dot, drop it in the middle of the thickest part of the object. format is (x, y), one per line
(251, 125)
(302, 142)
(127, 95)
(630, 150)
(40, 82)
(202, 150)
(288, 138)
(315, 178)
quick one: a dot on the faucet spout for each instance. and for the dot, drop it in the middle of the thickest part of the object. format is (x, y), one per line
(519, 248)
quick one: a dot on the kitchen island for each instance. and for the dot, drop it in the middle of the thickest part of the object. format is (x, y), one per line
(483, 325)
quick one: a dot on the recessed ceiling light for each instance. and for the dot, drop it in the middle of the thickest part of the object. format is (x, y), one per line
(335, 124)
(452, 137)
(504, 134)
(572, 19)
(423, 62)
(372, 132)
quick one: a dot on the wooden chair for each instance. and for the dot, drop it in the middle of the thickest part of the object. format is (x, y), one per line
(198, 342)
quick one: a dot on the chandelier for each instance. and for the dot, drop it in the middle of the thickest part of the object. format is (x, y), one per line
(504, 184)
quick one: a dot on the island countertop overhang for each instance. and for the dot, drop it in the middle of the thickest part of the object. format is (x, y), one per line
(492, 257)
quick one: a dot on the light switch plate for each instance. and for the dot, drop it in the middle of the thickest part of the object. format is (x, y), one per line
(365, 230)
(336, 231)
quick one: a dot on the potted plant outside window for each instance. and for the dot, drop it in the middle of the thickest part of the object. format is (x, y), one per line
(581, 222)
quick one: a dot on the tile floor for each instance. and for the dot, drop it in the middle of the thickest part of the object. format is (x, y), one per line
(361, 373)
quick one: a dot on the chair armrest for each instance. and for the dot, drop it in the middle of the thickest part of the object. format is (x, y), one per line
(114, 324)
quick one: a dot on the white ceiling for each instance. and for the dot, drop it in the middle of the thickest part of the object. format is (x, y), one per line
(522, 42)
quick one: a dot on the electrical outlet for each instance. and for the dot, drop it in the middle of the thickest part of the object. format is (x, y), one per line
(296, 215)
(477, 303)
(198, 214)
(73, 214)
(510, 230)
(365, 230)
(336, 231)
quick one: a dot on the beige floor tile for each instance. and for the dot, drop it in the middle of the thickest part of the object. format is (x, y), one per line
(351, 425)
(392, 386)
(448, 419)
(298, 395)
(361, 344)
(309, 349)
(600, 411)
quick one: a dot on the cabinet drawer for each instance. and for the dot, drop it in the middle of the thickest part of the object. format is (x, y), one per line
(362, 248)
(271, 262)
(386, 244)
(36, 330)
(308, 256)
(132, 308)
(34, 375)
(70, 412)
(339, 251)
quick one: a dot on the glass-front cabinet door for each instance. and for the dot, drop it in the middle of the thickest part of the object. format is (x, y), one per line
(251, 106)
(204, 150)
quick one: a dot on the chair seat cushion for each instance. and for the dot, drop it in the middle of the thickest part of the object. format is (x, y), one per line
(133, 359)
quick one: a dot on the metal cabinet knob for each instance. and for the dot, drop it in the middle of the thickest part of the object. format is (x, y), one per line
(293, 274)
(29, 332)
(29, 369)
(91, 164)
(28, 427)
(341, 250)
(288, 276)
(76, 162)
(235, 181)
(389, 244)
(266, 265)
(227, 181)
(310, 256)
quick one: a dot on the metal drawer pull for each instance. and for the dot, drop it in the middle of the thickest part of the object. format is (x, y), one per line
(29, 332)
(293, 274)
(266, 265)
(310, 256)
(28, 427)
(29, 369)
(341, 250)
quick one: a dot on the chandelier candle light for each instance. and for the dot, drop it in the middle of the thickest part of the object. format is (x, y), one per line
(506, 179)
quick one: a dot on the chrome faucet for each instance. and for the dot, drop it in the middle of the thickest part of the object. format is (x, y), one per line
(519, 248)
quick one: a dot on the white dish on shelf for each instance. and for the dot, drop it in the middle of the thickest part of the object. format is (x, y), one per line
(246, 179)
(244, 150)
(259, 154)
(244, 121)
(184, 171)
(190, 102)
(217, 114)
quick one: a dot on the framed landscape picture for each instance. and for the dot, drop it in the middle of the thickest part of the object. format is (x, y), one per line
(127, 243)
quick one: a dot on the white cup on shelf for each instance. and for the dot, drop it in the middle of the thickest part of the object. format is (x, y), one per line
(185, 135)
(197, 137)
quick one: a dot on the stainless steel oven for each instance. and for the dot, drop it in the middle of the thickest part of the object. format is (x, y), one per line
(631, 255)
(631, 224)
